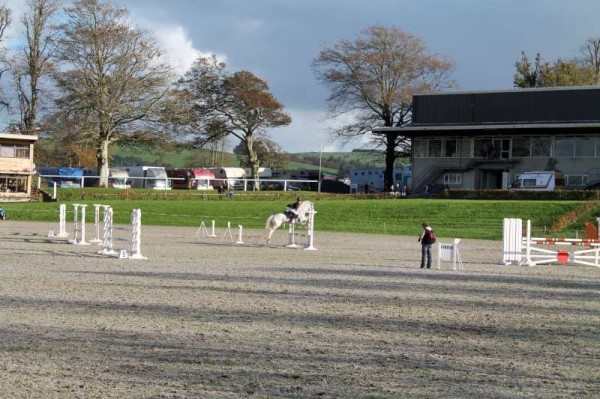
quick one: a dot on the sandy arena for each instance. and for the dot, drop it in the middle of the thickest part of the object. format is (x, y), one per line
(208, 318)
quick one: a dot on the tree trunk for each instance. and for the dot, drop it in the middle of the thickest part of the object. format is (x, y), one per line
(253, 159)
(102, 159)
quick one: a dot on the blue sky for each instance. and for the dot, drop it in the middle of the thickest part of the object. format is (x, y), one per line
(278, 39)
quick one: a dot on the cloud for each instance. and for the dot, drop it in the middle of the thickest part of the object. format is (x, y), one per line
(179, 48)
(310, 131)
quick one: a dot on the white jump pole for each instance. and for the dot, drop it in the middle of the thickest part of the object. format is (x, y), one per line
(96, 240)
(79, 225)
(311, 232)
(62, 221)
(136, 237)
(292, 236)
(240, 241)
(212, 231)
(107, 244)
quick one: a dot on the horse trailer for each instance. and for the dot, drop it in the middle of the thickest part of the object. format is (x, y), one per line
(152, 177)
(194, 179)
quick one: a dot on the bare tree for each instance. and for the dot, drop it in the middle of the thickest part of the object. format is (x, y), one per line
(111, 77)
(33, 61)
(590, 56)
(373, 78)
(5, 20)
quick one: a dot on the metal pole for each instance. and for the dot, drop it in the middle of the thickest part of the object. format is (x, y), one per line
(320, 159)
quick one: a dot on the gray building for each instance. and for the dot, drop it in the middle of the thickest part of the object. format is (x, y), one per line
(371, 179)
(482, 140)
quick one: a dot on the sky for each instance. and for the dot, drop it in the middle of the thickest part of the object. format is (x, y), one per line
(278, 39)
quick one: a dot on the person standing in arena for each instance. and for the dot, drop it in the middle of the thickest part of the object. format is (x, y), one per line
(427, 239)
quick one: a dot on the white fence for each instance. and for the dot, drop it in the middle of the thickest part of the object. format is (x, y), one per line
(531, 251)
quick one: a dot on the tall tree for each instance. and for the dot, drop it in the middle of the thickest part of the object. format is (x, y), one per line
(527, 75)
(248, 111)
(590, 56)
(199, 94)
(112, 78)
(5, 21)
(566, 73)
(373, 78)
(33, 61)
(558, 73)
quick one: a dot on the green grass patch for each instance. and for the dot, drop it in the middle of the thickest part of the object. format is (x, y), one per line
(450, 218)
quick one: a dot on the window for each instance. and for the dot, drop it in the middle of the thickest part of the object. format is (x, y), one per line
(564, 147)
(576, 180)
(453, 178)
(14, 151)
(435, 148)
(540, 146)
(521, 147)
(465, 148)
(420, 148)
(585, 147)
(529, 182)
(450, 148)
(13, 184)
(22, 151)
(483, 147)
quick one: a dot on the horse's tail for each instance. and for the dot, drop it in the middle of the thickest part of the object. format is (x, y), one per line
(269, 222)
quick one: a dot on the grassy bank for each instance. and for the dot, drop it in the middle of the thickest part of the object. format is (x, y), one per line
(450, 218)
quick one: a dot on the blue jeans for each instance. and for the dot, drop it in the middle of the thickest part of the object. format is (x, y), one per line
(426, 255)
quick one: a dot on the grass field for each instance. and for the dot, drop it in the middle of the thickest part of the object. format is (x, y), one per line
(450, 218)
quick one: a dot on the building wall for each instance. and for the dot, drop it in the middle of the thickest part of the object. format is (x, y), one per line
(16, 165)
(373, 177)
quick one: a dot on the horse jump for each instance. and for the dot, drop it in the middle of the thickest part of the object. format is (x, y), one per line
(136, 235)
(523, 250)
(79, 223)
(274, 221)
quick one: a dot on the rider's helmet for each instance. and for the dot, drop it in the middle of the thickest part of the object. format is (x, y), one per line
(298, 199)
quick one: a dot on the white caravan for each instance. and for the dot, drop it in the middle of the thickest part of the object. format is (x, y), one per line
(154, 177)
(546, 180)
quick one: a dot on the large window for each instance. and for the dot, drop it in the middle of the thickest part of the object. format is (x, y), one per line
(564, 147)
(585, 146)
(483, 147)
(14, 151)
(465, 148)
(420, 148)
(13, 184)
(576, 180)
(450, 149)
(434, 148)
(540, 146)
(521, 147)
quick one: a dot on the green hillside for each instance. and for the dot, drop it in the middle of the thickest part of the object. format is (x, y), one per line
(334, 163)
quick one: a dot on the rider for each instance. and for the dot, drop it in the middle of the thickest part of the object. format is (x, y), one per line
(292, 209)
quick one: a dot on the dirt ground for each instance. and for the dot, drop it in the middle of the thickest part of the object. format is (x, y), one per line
(208, 318)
